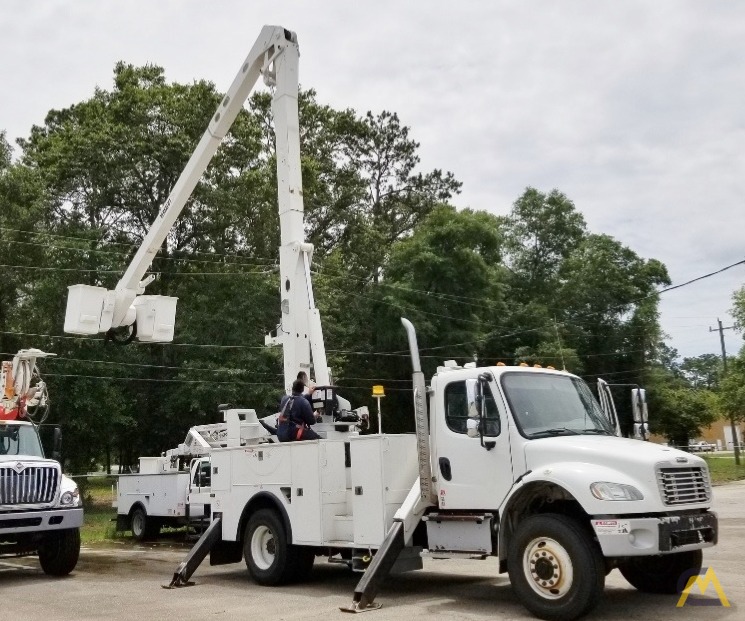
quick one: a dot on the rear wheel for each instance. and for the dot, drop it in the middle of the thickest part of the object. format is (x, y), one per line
(270, 558)
(59, 553)
(556, 570)
(143, 527)
(661, 574)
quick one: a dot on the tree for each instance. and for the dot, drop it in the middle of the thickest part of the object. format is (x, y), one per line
(702, 371)
(540, 232)
(738, 308)
(609, 301)
(21, 210)
(447, 280)
(678, 412)
(732, 393)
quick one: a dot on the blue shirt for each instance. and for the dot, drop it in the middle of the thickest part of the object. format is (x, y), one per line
(300, 413)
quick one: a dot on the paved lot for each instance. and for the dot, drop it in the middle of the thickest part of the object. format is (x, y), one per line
(122, 583)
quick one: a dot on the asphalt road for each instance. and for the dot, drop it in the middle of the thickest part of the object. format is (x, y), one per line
(122, 582)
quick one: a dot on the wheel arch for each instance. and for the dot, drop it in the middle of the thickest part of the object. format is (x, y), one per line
(534, 498)
(136, 505)
(264, 500)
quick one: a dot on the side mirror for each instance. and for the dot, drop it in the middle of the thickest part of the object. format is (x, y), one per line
(639, 405)
(57, 444)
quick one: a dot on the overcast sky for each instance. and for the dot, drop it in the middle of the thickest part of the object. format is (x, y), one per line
(634, 109)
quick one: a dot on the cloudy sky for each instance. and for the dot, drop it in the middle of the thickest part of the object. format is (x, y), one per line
(633, 109)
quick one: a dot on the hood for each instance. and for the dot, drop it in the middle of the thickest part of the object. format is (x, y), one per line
(609, 451)
(575, 462)
(26, 459)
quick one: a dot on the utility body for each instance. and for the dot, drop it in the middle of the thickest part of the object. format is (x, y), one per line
(518, 464)
(41, 511)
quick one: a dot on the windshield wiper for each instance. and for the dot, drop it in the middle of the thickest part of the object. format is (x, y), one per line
(555, 432)
(601, 432)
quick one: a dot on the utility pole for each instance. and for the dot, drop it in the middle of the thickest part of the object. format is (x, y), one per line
(735, 443)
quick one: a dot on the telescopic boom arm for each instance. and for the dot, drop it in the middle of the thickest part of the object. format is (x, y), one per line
(93, 310)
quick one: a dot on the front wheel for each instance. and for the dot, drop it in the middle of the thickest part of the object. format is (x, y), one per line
(555, 568)
(661, 574)
(270, 558)
(59, 553)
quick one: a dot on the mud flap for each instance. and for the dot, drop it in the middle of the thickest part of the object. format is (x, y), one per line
(196, 555)
(379, 568)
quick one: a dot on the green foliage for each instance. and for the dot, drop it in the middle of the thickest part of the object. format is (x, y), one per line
(702, 371)
(738, 308)
(732, 390)
(677, 411)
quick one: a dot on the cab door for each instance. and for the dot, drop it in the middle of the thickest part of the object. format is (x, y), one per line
(473, 472)
(200, 486)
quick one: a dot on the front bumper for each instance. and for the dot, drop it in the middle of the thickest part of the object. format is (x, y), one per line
(41, 520)
(646, 536)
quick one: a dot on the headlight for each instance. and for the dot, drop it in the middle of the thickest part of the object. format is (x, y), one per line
(602, 490)
(70, 498)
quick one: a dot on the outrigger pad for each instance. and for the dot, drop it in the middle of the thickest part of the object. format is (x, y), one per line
(177, 583)
(356, 608)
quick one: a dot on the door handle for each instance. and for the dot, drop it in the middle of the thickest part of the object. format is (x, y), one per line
(445, 470)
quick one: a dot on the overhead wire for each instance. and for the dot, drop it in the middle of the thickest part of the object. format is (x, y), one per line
(112, 243)
(127, 254)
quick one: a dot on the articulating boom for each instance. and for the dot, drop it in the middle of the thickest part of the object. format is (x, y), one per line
(92, 310)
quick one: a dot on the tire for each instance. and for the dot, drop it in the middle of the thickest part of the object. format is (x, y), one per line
(555, 567)
(661, 574)
(59, 553)
(270, 558)
(143, 527)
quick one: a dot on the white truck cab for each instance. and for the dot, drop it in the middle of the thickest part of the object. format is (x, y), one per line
(41, 511)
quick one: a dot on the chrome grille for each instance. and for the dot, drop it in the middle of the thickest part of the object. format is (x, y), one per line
(680, 486)
(33, 485)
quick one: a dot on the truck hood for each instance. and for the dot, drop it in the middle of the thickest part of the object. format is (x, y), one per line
(575, 462)
(26, 459)
(608, 451)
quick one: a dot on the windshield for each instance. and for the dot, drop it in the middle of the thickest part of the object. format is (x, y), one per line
(19, 440)
(547, 405)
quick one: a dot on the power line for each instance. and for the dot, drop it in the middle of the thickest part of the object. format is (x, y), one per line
(170, 274)
(127, 254)
(127, 245)
(184, 381)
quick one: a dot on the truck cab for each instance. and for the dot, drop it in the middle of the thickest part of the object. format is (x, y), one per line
(41, 511)
(531, 464)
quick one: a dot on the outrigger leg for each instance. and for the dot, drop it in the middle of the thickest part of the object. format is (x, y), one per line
(379, 568)
(196, 555)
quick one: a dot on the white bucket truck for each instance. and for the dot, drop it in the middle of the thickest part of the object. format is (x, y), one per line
(521, 464)
(41, 511)
(173, 490)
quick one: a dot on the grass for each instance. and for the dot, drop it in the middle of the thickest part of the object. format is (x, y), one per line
(723, 468)
(99, 522)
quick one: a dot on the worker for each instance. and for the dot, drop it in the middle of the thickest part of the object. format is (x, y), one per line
(296, 416)
(309, 386)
